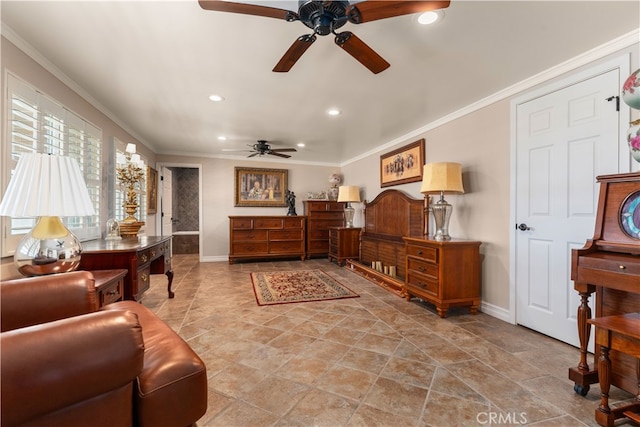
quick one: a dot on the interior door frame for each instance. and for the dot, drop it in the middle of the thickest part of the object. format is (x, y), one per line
(159, 166)
(621, 62)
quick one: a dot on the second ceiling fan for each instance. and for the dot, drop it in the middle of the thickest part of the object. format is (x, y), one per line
(324, 18)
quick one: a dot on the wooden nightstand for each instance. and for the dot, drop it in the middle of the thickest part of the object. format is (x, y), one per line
(444, 273)
(109, 285)
(344, 243)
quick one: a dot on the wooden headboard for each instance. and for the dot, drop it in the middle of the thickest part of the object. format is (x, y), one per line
(390, 216)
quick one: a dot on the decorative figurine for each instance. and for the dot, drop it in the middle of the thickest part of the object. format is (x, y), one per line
(290, 197)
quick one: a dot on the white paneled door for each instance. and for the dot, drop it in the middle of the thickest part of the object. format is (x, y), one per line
(167, 201)
(564, 140)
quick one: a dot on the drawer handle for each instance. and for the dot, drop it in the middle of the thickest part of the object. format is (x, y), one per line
(144, 277)
(114, 292)
(419, 252)
(144, 258)
(621, 267)
(153, 254)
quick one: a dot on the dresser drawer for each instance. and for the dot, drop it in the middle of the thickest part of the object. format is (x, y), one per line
(318, 234)
(268, 223)
(144, 257)
(241, 223)
(250, 248)
(423, 267)
(624, 264)
(426, 253)
(294, 222)
(318, 245)
(111, 293)
(422, 283)
(144, 279)
(295, 234)
(243, 235)
(286, 247)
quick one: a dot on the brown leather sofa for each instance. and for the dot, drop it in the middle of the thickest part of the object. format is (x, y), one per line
(64, 362)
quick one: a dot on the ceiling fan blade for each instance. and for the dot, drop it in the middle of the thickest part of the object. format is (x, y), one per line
(273, 153)
(254, 154)
(294, 53)
(362, 52)
(248, 9)
(282, 150)
(373, 10)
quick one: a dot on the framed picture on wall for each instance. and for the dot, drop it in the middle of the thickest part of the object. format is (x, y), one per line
(152, 190)
(260, 187)
(403, 165)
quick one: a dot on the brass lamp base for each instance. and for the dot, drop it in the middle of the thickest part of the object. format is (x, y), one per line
(129, 230)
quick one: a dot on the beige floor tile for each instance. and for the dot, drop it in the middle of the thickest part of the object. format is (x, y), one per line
(373, 361)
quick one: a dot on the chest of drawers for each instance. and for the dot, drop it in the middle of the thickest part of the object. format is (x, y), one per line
(252, 237)
(443, 273)
(321, 215)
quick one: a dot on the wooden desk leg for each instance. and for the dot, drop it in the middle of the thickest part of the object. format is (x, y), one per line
(604, 417)
(582, 376)
(169, 275)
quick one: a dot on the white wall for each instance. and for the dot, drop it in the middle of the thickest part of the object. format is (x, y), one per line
(218, 194)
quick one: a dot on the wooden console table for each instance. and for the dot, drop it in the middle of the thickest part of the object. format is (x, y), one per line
(141, 257)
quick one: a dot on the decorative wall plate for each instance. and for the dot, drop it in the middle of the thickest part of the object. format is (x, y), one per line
(630, 215)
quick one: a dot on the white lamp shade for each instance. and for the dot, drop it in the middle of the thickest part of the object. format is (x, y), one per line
(445, 176)
(131, 148)
(349, 193)
(46, 185)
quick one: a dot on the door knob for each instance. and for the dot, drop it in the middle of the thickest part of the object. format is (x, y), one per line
(523, 227)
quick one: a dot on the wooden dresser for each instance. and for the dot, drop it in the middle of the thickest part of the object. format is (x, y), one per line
(444, 273)
(344, 243)
(321, 214)
(609, 265)
(141, 257)
(254, 237)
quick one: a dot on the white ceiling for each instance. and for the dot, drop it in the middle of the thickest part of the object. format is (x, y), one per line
(151, 65)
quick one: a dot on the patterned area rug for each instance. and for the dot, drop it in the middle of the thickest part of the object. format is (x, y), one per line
(284, 287)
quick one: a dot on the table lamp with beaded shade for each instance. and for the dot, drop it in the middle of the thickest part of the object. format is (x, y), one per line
(445, 177)
(47, 187)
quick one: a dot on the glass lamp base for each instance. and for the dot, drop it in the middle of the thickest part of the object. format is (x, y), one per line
(441, 214)
(49, 248)
(348, 216)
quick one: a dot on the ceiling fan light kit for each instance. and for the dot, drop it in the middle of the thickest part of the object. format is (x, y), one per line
(324, 18)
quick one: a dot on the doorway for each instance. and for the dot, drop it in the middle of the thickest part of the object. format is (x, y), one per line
(181, 206)
(566, 135)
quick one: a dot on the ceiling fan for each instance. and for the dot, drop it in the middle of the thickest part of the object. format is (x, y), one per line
(262, 147)
(325, 17)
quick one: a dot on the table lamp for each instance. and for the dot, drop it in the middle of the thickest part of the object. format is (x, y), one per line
(442, 178)
(47, 187)
(348, 194)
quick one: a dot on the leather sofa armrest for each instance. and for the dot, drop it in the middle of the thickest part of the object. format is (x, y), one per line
(34, 300)
(58, 364)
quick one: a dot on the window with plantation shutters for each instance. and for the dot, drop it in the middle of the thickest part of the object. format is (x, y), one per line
(37, 123)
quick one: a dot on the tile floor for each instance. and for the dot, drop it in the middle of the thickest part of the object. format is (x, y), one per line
(376, 360)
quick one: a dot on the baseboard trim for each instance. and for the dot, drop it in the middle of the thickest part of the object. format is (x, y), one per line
(495, 311)
(218, 258)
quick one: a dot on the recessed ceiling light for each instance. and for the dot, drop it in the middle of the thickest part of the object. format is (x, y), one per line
(334, 112)
(216, 98)
(222, 138)
(300, 144)
(430, 17)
